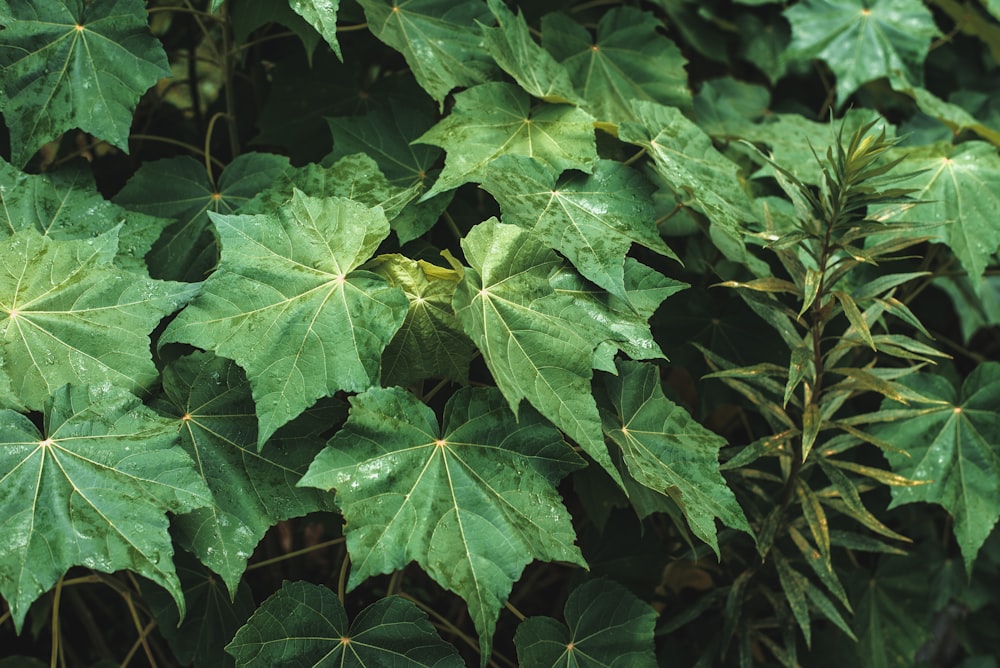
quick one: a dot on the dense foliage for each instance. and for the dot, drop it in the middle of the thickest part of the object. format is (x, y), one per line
(457, 332)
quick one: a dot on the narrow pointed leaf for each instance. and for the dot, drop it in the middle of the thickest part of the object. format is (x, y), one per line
(209, 400)
(508, 307)
(303, 624)
(606, 626)
(628, 60)
(439, 39)
(68, 315)
(92, 489)
(288, 305)
(956, 446)
(66, 65)
(591, 219)
(497, 119)
(666, 450)
(473, 502)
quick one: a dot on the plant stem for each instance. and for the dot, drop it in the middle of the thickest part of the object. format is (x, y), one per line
(296, 553)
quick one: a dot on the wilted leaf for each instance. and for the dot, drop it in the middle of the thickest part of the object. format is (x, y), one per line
(473, 502)
(286, 303)
(92, 489)
(66, 64)
(303, 624)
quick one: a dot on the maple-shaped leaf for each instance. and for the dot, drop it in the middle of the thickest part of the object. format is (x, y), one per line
(209, 399)
(686, 159)
(438, 38)
(289, 306)
(496, 119)
(863, 40)
(321, 15)
(212, 617)
(606, 627)
(430, 343)
(508, 307)
(66, 64)
(68, 315)
(179, 189)
(303, 624)
(953, 445)
(960, 188)
(93, 489)
(517, 54)
(666, 450)
(473, 502)
(66, 205)
(629, 60)
(591, 219)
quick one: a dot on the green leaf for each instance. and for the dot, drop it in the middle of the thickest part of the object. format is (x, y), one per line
(68, 315)
(508, 307)
(66, 205)
(439, 39)
(179, 189)
(66, 65)
(246, 16)
(687, 161)
(606, 626)
(212, 619)
(629, 60)
(209, 400)
(288, 306)
(93, 489)
(667, 451)
(430, 343)
(321, 15)
(961, 187)
(496, 119)
(516, 52)
(303, 624)
(863, 40)
(591, 219)
(956, 445)
(473, 502)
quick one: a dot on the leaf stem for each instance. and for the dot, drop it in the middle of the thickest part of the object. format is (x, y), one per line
(514, 611)
(174, 142)
(342, 579)
(139, 642)
(208, 145)
(139, 628)
(641, 152)
(446, 624)
(296, 553)
(184, 10)
(56, 645)
(352, 28)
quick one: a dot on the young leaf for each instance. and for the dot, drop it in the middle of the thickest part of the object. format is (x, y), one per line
(438, 38)
(68, 315)
(303, 624)
(517, 54)
(93, 489)
(629, 60)
(591, 219)
(179, 189)
(66, 205)
(687, 161)
(430, 343)
(893, 35)
(66, 65)
(209, 400)
(961, 185)
(496, 119)
(606, 625)
(288, 306)
(473, 502)
(666, 450)
(956, 445)
(508, 307)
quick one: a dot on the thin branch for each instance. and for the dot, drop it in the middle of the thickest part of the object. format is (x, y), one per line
(296, 553)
